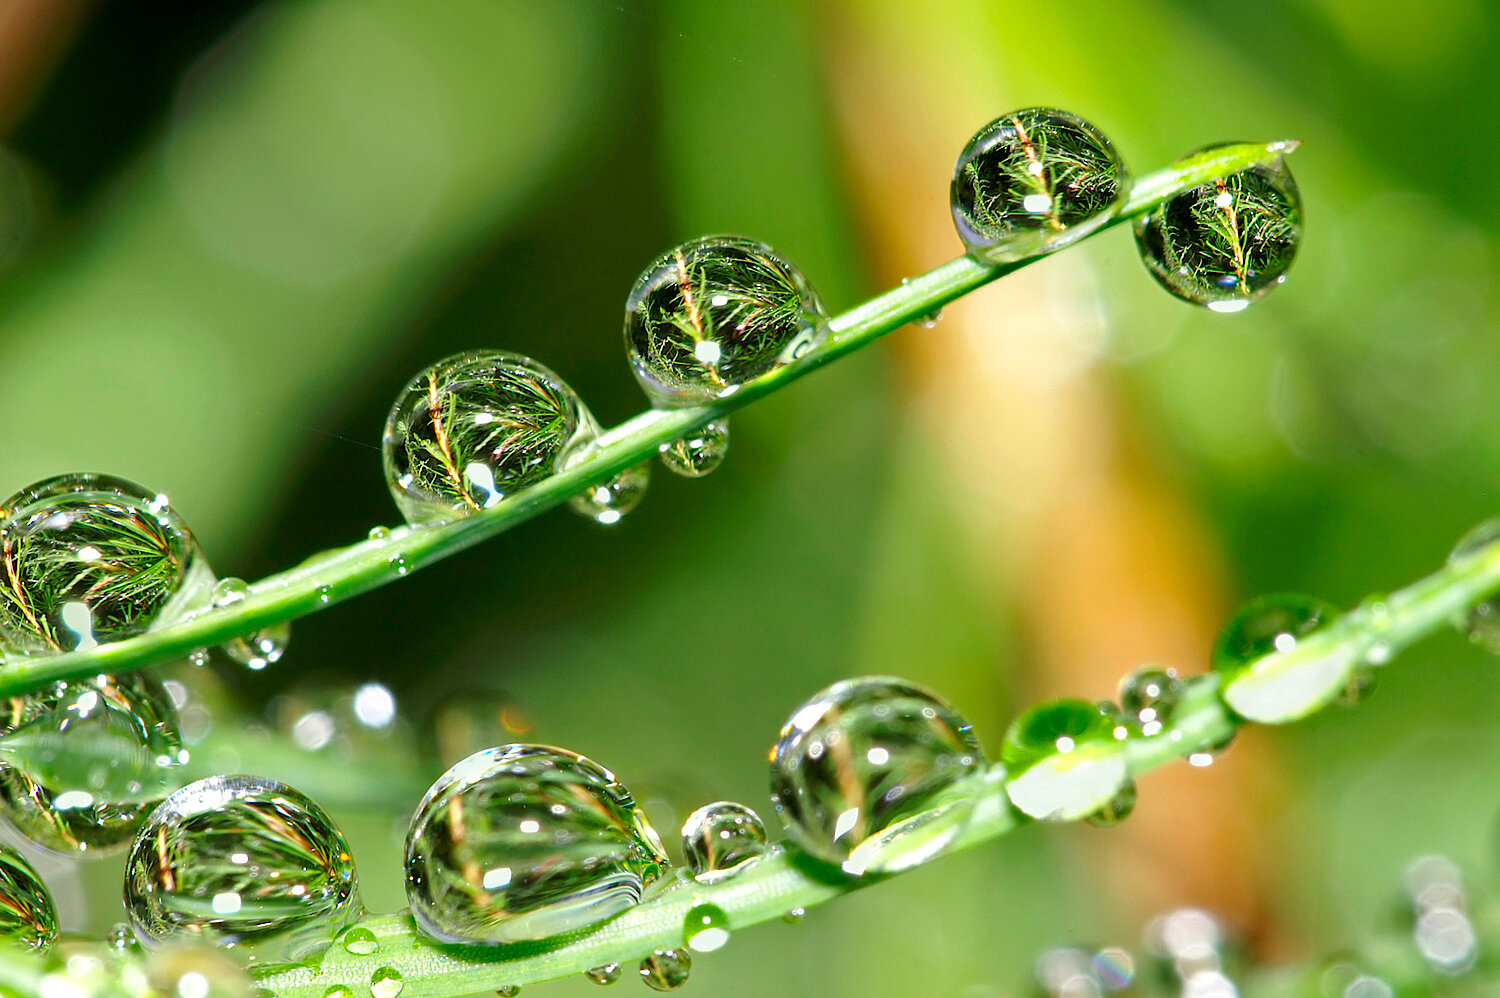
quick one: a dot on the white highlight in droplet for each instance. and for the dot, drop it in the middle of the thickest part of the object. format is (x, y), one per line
(1037, 203)
(845, 823)
(496, 879)
(482, 478)
(78, 618)
(707, 351)
(1228, 306)
(192, 985)
(1284, 642)
(530, 827)
(227, 903)
(878, 756)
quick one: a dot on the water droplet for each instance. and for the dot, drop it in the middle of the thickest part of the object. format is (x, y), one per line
(198, 658)
(242, 862)
(1148, 696)
(1359, 687)
(1482, 623)
(607, 502)
(385, 983)
(666, 969)
(508, 991)
(27, 915)
(360, 941)
(1032, 182)
(119, 937)
(794, 916)
(706, 928)
(1267, 625)
(91, 559)
(400, 564)
(1064, 761)
(260, 649)
(82, 762)
(526, 842)
(325, 594)
(379, 533)
(1117, 810)
(1227, 242)
(473, 428)
(718, 838)
(698, 453)
(607, 974)
(339, 991)
(715, 313)
(864, 775)
(1271, 672)
(930, 320)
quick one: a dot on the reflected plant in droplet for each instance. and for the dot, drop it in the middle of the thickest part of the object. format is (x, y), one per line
(698, 453)
(607, 974)
(666, 969)
(863, 775)
(1148, 696)
(82, 762)
(1228, 242)
(710, 315)
(526, 842)
(474, 428)
(606, 503)
(242, 862)
(28, 916)
(1064, 761)
(1034, 181)
(88, 559)
(719, 838)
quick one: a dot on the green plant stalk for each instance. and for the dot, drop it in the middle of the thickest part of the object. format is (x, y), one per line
(784, 880)
(342, 573)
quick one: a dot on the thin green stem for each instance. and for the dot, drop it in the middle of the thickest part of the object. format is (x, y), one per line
(784, 879)
(336, 575)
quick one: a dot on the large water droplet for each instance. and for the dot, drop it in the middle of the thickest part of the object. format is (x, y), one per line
(1227, 242)
(1271, 671)
(475, 427)
(1032, 182)
(719, 837)
(1064, 761)
(82, 762)
(27, 915)
(385, 983)
(526, 842)
(607, 974)
(714, 313)
(666, 969)
(698, 453)
(243, 862)
(864, 775)
(705, 928)
(1148, 696)
(89, 559)
(607, 502)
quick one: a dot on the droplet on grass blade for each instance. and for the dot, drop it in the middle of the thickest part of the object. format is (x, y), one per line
(705, 928)
(666, 969)
(719, 838)
(1064, 762)
(257, 649)
(698, 453)
(28, 916)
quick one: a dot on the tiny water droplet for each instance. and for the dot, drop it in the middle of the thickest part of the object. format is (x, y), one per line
(194, 863)
(666, 969)
(718, 838)
(930, 320)
(325, 594)
(385, 983)
(28, 916)
(1064, 761)
(379, 533)
(119, 937)
(698, 453)
(198, 658)
(1117, 810)
(1148, 696)
(607, 974)
(1271, 673)
(526, 842)
(339, 991)
(91, 559)
(794, 916)
(360, 941)
(228, 591)
(261, 648)
(474, 428)
(508, 991)
(1482, 623)
(1227, 242)
(707, 317)
(607, 502)
(706, 928)
(400, 564)
(864, 775)
(1034, 181)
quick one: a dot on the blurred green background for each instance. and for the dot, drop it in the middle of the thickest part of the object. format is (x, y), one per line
(229, 234)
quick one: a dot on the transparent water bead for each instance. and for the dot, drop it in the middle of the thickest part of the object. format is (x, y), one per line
(526, 842)
(1228, 242)
(1482, 623)
(1271, 672)
(28, 917)
(260, 648)
(89, 559)
(81, 763)
(718, 838)
(865, 775)
(607, 974)
(608, 502)
(710, 315)
(1032, 182)
(242, 862)
(705, 928)
(386, 983)
(473, 428)
(666, 969)
(1148, 696)
(1064, 761)
(698, 453)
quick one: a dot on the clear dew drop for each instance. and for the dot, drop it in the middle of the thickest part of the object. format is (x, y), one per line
(188, 873)
(508, 991)
(607, 974)
(705, 928)
(91, 559)
(82, 762)
(339, 991)
(607, 503)
(119, 937)
(474, 428)
(1267, 625)
(1034, 181)
(28, 917)
(711, 315)
(865, 775)
(262, 648)
(1482, 623)
(385, 983)
(1228, 242)
(1271, 671)
(719, 838)
(1117, 810)
(525, 842)
(379, 533)
(698, 453)
(1064, 761)
(930, 320)
(794, 916)
(1148, 697)
(666, 969)
(360, 941)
